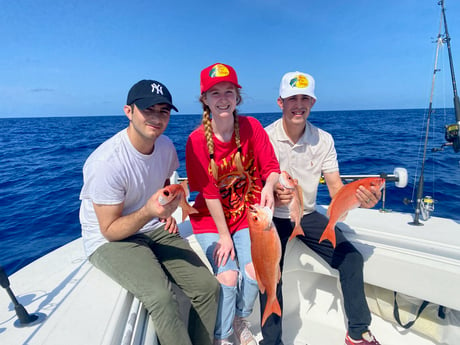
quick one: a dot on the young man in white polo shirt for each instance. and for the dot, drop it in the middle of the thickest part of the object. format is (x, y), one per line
(306, 152)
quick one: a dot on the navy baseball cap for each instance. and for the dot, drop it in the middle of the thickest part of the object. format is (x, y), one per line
(146, 93)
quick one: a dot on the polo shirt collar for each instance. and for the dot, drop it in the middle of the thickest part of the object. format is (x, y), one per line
(282, 136)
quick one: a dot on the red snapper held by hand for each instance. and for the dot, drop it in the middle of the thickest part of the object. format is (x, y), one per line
(266, 256)
(345, 200)
(176, 193)
(296, 204)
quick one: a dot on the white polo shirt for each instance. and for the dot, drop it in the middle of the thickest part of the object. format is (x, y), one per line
(306, 160)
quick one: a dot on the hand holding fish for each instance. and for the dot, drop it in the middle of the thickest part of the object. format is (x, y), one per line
(175, 195)
(283, 196)
(161, 204)
(296, 203)
(362, 193)
(267, 197)
(368, 198)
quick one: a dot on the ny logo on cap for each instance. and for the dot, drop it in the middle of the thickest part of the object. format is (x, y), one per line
(157, 88)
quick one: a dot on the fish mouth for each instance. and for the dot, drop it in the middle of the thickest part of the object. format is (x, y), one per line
(166, 197)
(253, 209)
(269, 213)
(284, 182)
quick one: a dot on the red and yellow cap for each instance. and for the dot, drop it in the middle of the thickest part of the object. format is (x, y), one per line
(217, 73)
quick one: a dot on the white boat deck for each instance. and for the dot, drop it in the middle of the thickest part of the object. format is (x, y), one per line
(83, 306)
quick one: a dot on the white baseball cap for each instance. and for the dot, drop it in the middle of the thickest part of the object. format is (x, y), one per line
(297, 83)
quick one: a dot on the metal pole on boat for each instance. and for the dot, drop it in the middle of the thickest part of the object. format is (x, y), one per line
(452, 135)
(24, 318)
(430, 111)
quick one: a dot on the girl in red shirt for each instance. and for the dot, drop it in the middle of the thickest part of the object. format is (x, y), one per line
(231, 164)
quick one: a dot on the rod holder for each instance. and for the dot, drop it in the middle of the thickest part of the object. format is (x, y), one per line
(24, 318)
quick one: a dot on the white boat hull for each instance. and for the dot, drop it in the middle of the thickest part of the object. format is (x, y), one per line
(83, 306)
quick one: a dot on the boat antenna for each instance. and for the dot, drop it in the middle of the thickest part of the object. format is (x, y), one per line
(418, 208)
(452, 131)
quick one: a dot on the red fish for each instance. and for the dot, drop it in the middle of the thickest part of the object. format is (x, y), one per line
(174, 191)
(345, 200)
(296, 204)
(266, 256)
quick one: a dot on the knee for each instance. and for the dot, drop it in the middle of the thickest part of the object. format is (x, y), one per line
(250, 271)
(159, 301)
(353, 261)
(228, 278)
(206, 290)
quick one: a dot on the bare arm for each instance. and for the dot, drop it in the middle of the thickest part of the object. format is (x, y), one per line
(333, 182)
(224, 247)
(116, 227)
(267, 195)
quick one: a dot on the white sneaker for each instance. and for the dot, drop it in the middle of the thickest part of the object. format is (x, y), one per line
(222, 342)
(242, 332)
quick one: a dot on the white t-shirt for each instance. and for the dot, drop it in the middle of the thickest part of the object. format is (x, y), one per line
(116, 172)
(313, 154)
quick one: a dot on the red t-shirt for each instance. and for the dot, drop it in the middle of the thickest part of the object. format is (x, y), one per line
(235, 191)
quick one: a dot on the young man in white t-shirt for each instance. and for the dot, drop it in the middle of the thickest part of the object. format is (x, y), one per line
(132, 238)
(305, 152)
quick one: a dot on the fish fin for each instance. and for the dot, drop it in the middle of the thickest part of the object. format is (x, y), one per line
(300, 192)
(342, 217)
(187, 210)
(271, 308)
(296, 232)
(184, 185)
(329, 234)
(259, 282)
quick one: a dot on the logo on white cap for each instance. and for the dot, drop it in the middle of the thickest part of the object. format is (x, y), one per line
(297, 83)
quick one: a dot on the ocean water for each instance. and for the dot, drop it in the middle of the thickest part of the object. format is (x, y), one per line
(41, 162)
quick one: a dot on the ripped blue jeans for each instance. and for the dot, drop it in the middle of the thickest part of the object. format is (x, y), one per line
(234, 300)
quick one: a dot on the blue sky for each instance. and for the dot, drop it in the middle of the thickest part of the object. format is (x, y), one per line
(78, 57)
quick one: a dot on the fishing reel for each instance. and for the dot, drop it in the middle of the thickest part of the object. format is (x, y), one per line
(452, 136)
(426, 207)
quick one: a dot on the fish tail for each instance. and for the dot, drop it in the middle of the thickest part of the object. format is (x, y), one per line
(328, 234)
(271, 308)
(296, 232)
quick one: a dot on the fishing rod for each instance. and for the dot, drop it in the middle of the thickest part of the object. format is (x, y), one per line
(425, 205)
(418, 207)
(452, 130)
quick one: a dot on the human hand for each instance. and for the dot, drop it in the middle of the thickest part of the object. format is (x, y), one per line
(267, 197)
(171, 225)
(156, 209)
(283, 195)
(368, 197)
(224, 249)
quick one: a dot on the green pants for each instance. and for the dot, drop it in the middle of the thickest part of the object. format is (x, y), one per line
(143, 264)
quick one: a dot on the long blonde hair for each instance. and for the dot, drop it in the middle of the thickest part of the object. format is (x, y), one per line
(206, 120)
